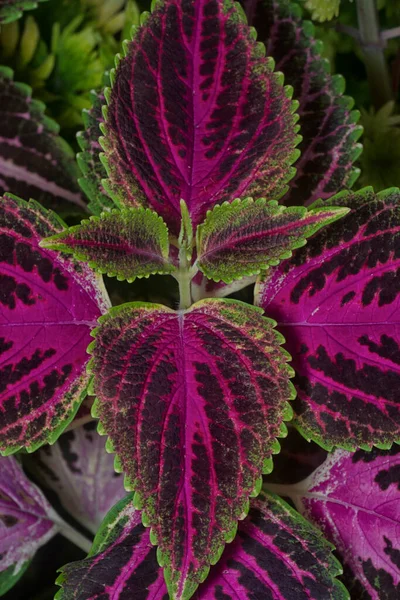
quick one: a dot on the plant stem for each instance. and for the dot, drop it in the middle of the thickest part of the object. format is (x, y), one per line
(75, 537)
(70, 533)
(388, 34)
(372, 45)
(184, 278)
(185, 295)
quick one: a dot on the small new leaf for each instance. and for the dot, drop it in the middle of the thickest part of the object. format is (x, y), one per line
(125, 244)
(245, 237)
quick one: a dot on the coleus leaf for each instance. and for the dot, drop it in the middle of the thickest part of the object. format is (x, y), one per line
(336, 302)
(81, 472)
(48, 305)
(196, 113)
(192, 402)
(328, 125)
(276, 555)
(355, 500)
(89, 161)
(126, 243)
(35, 162)
(25, 522)
(10, 10)
(242, 238)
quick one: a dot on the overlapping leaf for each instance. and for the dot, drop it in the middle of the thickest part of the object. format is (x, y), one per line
(10, 10)
(48, 306)
(328, 125)
(355, 500)
(192, 402)
(25, 522)
(196, 113)
(34, 161)
(242, 238)
(89, 161)
(276, 554)
(81, 472)
(337, 303)
(129, 243)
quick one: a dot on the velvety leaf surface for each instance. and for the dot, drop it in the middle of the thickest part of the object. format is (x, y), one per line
(276, 555)
(128, 244)
(48, 304)
(81, 472)
(196, 113)
(25, 522)
(355, 500)
(10, 10)
(327, 123)
(34, 161)
(336, 302)
(192, 401)
(242, 238)
(89, 159)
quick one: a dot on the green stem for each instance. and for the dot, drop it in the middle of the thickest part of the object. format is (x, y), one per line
(372, 46)
(76, 538)
(70, 533)
(184, 278)
(185, 294)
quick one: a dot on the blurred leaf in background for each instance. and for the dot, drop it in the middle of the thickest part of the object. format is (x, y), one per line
(380, 160)
(63, 50)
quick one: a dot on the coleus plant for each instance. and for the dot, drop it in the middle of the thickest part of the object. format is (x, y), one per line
(187, 161)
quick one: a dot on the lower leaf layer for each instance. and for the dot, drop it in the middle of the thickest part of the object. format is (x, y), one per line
(192, 401)
(277, 555)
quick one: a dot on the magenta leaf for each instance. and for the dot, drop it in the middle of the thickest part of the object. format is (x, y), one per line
(122, 562)
(328, 125)
(10, 10)
(89, 161)
(25, 522)
(34, 161)
(81, 472)
(126, 244)
(192, 402)
(247, 236)
(355, 500)
(337, 303)
(276, 555)
(196, 113)
(48, 305)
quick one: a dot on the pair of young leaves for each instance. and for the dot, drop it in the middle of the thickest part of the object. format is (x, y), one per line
(148, 158)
